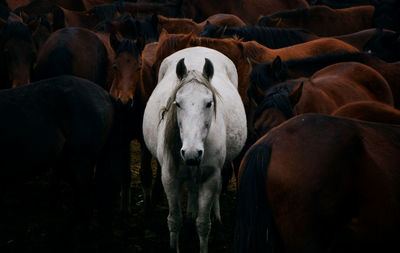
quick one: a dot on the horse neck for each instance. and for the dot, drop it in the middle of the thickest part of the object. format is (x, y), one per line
(259, 53)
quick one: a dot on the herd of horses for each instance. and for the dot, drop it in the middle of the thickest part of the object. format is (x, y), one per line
(300, 99)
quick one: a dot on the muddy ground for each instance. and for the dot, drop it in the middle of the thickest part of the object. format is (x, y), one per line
(34, 222)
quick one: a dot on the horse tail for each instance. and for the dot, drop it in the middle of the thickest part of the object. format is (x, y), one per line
(254, 230)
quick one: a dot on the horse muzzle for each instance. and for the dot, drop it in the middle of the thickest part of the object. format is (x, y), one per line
(192, 158)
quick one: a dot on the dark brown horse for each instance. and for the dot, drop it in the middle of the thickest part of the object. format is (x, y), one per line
(75, 51)
(328, 89)
(89, 19)
(319, 183)
(247, 10)
(17, 52)
(49, 10)
(378, 42)
(69, 125)
(322, 20)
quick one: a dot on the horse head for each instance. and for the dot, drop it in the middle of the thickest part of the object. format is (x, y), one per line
(17, 51)
(126, 67)
(195, 107)
(277, 107)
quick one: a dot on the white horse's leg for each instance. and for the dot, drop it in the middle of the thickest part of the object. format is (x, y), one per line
(173, 190)
(208, 192)
(193, 196)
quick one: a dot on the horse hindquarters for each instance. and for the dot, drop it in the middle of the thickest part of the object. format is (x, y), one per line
(255, 230)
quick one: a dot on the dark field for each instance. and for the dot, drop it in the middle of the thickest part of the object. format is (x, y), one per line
(33, 221)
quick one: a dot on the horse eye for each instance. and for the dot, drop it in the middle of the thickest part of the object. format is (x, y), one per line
(208, 105)
(177, 104)
(139, 68)
(114, 67)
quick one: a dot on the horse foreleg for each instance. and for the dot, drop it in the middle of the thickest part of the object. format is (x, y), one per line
(146, 178)
(173, 189)
(208, 193)
(158, 190)
(126, 178)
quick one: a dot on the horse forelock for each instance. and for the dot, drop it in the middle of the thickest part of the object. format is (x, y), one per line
(276, 97)
(128, 45)
(172, 139)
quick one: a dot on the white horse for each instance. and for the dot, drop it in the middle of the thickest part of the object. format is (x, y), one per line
(194, 123)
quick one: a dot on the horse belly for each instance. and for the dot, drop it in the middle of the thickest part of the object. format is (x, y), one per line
(236, 124)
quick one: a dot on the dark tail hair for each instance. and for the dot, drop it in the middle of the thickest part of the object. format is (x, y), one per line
(254, 230)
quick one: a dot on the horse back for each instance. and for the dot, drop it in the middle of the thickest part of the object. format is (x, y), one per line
(337, 173)
(73, 51)
(355, 76)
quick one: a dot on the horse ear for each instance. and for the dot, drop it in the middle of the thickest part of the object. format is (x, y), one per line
(114, 41)
(295, 96)
(276, 67)
(2, 22)
(138, 27)
(154, 20)
(24, 15)
(140, 43)
(34, 25)
(208, 69)
(181, 69)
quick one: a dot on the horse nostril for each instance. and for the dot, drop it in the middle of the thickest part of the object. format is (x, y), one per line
(200, 152)
(182, 153)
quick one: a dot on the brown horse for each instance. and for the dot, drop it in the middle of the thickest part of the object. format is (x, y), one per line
(322, 20)
(259, 53)
(90, 18)
(186, 25)
(76, 51)
(328, 89)
(239, 52)
(267, 74)
(319, 183)
(270, 37)
(381, 43)
(247, 10)
(17, 52)
(369, 111)
(126, 66)
(45, 9)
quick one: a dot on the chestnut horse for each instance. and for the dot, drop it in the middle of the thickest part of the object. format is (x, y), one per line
(322, 20)
(324, 92)
(270, 37)
(247, 10)
(186, 25)
(240, 52)
(319, 183)
(267, 74)
(369, 111)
